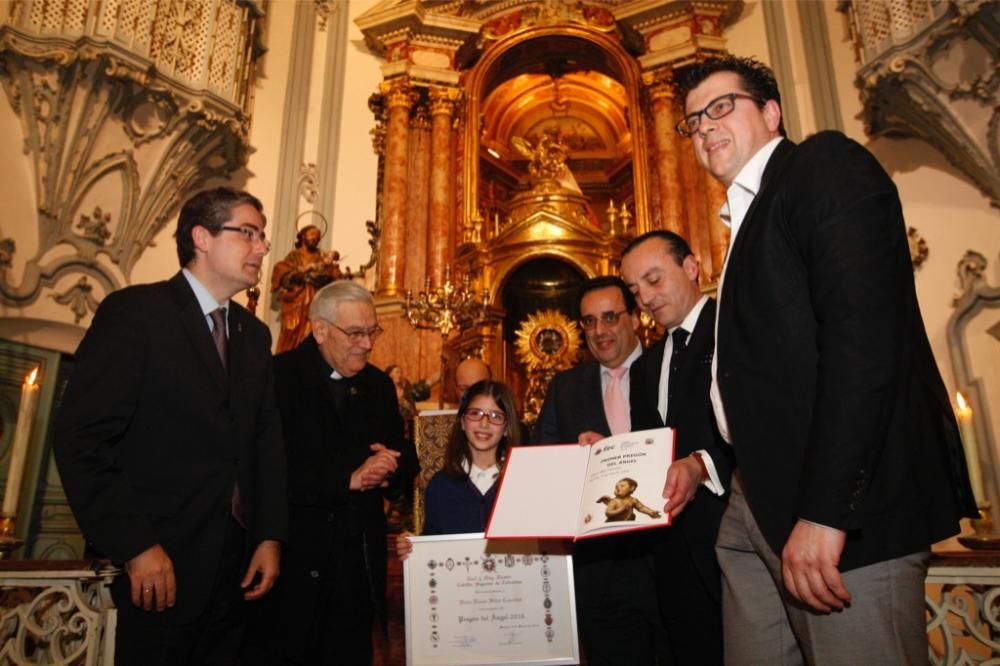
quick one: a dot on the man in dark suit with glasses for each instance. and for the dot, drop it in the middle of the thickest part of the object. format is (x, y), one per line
(616, 602)
(168, 443)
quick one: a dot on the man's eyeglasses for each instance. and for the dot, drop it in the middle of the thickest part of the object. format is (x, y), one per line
(252, 234)
(608, 318)
(494, 416)
(356, 335)
(720, 107)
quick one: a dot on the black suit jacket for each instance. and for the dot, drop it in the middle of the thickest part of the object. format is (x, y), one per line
(573, 404)
(835, 406)
(692, 534)
(153, 434)
(323, 450)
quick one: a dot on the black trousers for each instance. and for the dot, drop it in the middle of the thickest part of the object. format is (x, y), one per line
(315, 617)
(151, 638)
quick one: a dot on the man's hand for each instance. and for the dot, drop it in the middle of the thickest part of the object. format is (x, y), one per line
(589, 437)
(684, 477)
(373, 471)
(151, 573)
(266, 560)
(809, 566)
(403, 545)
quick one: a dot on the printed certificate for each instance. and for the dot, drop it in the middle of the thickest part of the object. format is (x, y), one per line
(471, 602)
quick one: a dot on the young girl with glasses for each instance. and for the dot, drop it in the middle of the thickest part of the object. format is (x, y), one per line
(459, 498)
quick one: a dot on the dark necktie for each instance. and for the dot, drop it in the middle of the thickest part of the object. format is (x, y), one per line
(679, 338)
(219, 333)
(219, 338)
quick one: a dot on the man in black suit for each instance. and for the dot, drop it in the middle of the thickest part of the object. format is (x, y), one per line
(343, 435)
(615, 596)
(169, 443)
(670, 388)
(849, 458)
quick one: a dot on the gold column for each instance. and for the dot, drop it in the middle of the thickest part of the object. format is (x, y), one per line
(443, 101)
(418, 176)
(699, 226)
(399, 97)
(660, 92)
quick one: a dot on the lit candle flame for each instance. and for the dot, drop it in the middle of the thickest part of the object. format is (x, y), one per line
(962, 404)
(30, 380)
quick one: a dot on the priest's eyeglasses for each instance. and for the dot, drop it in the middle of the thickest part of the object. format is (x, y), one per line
(496, 417)
(251, 234)
(607, 318)
(356, 335)
(720, 107)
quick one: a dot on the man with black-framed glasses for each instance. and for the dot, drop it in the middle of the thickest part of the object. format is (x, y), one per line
(169, 445)
(344, 438)
(849, 462)
(617, 609)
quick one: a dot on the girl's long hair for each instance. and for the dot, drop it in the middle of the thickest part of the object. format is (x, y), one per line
(457, 451)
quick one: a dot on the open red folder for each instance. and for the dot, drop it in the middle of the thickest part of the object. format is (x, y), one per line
(574, 491)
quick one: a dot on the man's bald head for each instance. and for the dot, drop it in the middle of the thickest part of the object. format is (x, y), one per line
(470, 371)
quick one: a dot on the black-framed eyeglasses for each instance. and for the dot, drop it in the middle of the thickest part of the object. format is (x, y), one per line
(356, 335)
(494, 416)
(720, 107)
(607, 318)
(252, 234)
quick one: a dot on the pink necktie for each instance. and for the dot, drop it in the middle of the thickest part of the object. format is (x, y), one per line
(615, 407)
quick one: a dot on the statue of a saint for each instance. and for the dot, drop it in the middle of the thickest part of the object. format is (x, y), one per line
(547, 162)
(295, 280)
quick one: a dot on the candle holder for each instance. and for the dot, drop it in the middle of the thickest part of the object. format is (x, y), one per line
(8, 542)
(982, 537)
(444, 309)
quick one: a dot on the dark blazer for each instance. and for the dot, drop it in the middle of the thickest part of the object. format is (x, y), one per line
(153, 434)
(573, 404)
(835, 405)
(455, 506)
(323, 450)
(687, 571)
(692, 419)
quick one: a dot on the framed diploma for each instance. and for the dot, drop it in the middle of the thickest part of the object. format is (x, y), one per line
(473, 602)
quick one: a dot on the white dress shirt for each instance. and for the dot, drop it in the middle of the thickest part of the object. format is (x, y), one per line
(206, 301)
(739, 196)
(482, 479)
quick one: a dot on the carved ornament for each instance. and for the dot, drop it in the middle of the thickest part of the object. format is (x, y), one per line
(919, 59)
(98, 99)
(549, 12)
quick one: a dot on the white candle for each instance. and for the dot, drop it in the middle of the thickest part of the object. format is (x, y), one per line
(968, 429)
(25, 416)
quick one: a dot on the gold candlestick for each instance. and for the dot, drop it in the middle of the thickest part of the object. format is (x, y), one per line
(445, 309)
(8, 542)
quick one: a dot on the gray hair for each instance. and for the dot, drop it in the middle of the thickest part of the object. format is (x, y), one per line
(328, 299)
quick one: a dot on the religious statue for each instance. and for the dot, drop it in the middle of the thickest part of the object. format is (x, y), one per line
(547, 166)
(295, 280)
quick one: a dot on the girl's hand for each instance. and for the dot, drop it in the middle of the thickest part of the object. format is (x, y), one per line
(403, 545)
